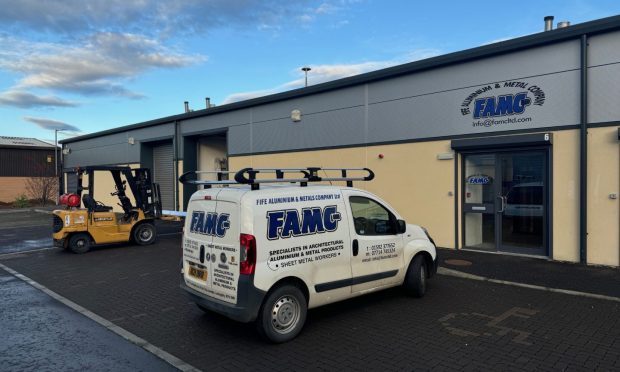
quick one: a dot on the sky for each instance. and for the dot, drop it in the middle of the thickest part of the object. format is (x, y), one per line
(83, 66)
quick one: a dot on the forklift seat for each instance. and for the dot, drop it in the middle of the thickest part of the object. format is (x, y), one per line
(94, 206)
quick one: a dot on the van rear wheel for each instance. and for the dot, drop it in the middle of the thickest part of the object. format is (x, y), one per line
(79, 243)
(282, 315)
(415, 281)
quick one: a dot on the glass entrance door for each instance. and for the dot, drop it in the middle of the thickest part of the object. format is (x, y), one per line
(505, 202)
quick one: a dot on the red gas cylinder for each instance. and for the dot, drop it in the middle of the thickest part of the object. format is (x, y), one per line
(71, 200)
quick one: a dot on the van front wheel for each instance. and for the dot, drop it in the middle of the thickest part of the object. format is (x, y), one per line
(282, 315)
(415, 281)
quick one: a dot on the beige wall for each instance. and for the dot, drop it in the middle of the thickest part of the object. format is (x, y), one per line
(417, 184)
(211, 153)
(603, 212)
(104, 185)
(409, 177)
(12, 187)
(566, 195)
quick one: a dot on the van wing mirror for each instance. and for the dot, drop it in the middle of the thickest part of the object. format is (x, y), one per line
(402, 226)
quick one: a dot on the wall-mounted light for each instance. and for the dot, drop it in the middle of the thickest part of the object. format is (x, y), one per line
(445, 156)
(380, 156)
(296, 115)
(66, 151)
(131, 141)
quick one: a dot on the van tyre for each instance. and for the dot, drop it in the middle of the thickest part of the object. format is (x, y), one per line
(79, 243)
(415, 281)
(282, 314)
(144, 234)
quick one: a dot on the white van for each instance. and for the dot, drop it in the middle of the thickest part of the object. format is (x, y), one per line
(268, 253)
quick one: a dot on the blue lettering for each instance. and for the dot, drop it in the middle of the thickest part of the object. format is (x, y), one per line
(209, 227)
(504, 105)
(275, 220)
(210, 224)
(291, 224)
(489, 107)
(520, 103)
(331, 218)
(223, 224)
(287, 223)
(478, 106)
(312, 221)
(196, 221)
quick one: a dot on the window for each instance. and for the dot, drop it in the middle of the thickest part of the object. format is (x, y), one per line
(371, 218)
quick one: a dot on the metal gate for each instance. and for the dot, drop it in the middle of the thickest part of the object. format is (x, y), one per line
(163, 174)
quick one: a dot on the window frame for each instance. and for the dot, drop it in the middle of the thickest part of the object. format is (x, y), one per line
(392, 220)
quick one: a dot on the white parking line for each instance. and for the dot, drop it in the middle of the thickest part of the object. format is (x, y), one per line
(28, 251)
(169, 358)
(460, 274)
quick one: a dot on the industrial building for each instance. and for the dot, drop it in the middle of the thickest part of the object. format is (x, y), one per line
(23, 159)
(511, 147)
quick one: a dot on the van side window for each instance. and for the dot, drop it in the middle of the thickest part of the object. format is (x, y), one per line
(371, 218)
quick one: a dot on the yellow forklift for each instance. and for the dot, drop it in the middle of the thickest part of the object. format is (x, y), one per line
(78, 228)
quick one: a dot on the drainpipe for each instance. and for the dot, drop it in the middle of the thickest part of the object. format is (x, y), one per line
(175, 171)
(583, 162)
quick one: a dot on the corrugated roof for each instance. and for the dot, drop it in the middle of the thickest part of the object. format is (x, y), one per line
(22, 142)
(535, 40)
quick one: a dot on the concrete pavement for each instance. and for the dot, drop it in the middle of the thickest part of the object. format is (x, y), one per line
(41, 334)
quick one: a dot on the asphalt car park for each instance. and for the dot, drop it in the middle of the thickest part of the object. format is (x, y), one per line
(459, 325)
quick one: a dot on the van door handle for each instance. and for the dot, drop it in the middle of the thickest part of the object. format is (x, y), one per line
(356, 247)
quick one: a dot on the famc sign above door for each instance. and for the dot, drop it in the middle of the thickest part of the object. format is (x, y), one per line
(509, 102)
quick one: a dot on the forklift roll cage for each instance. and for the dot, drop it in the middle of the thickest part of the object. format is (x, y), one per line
(145, 192)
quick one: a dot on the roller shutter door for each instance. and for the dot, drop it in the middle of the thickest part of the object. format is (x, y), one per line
(163, 174)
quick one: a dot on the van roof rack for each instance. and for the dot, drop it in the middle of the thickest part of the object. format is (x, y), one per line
(247, 176)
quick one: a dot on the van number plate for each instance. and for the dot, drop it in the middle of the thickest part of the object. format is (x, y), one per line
(197, 273)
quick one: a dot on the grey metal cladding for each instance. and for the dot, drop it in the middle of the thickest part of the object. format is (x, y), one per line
(215, 122)
(604, 78)
(604, 94)
(239, 139)
(101, 155)
(333, 128)
(327, 101)
(438, 115)
(538, 61)
(113, 148)
(152, 133)
(604, 49)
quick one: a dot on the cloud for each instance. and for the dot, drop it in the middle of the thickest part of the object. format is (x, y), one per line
(52, 124)
(23, 99)
(98, 66)
(328, 72)
(144, 16)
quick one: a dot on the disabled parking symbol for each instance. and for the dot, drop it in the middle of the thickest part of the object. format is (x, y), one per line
(476, 324)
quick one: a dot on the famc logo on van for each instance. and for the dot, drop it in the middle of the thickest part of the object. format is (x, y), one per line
(210, 223)
(285, 223)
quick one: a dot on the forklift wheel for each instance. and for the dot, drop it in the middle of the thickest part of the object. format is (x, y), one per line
(144, 234)
(79, 243)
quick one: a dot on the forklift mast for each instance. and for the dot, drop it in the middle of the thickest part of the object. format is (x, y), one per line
(145, 192)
